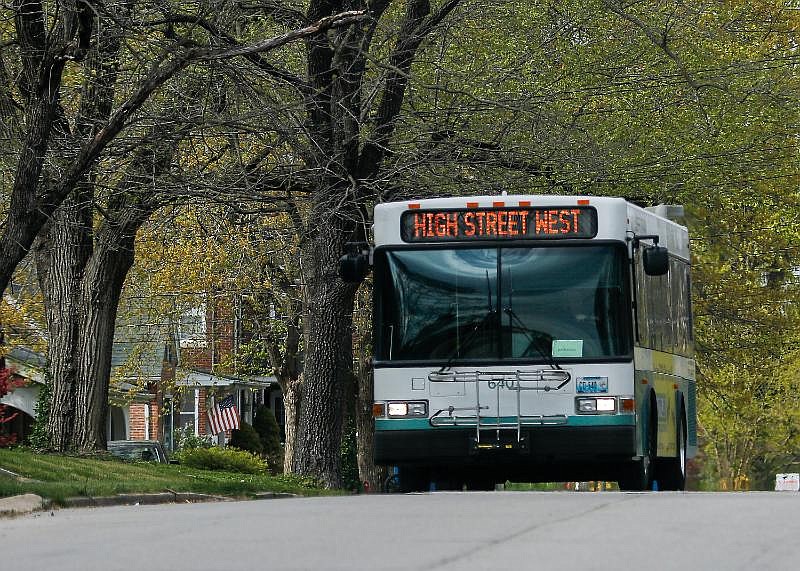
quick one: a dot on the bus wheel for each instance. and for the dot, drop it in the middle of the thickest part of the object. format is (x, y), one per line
(672, 471)
(635, 476)
(638, 475)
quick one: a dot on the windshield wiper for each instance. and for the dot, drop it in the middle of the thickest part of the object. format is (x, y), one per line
(490, 313)
(467, 340)
(534, 340)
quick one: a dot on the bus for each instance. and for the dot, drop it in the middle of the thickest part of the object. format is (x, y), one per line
(530, 338)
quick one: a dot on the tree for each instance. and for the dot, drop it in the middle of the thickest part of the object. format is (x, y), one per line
(343, 158)
(82, 296)
(369, 472)
(191, 260)
(269, 276)
(82, 270)
(746, 328)
(50, 36)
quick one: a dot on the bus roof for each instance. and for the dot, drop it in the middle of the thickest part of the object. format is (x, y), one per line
(617, 219)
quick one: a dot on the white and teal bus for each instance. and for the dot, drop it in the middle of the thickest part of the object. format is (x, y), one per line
(531, 338)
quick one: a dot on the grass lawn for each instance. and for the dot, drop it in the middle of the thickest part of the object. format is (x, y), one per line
(57, 477)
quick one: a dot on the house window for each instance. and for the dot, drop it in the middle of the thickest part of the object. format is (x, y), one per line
(187, 416)
(192, 328)
(116, 428)
(180, 413)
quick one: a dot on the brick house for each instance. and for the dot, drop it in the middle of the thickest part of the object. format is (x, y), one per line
(205, 339)
(161, 382)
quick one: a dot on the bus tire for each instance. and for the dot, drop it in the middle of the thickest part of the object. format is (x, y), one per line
(672, 471)
(638, 475)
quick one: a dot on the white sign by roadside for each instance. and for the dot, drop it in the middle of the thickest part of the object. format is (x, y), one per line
(787, 482)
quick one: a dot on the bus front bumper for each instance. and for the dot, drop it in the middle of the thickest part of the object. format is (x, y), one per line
(540, 445)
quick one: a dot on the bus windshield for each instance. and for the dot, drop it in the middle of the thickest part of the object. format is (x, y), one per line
(492, 304)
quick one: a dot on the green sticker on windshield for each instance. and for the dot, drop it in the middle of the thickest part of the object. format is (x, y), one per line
(567, 347)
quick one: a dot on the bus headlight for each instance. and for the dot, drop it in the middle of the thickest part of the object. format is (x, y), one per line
(596, 405)
(411, 409)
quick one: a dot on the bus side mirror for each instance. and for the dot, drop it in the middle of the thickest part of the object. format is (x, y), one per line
(354, 265)
(656, 260)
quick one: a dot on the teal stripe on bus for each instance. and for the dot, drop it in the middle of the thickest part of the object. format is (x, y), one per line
(423, 424)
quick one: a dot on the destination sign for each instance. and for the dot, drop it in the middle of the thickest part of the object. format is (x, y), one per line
(449, 225)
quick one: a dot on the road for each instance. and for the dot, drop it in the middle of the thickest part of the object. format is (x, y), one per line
(442, 531)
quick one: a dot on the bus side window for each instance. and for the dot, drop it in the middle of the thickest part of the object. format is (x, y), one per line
(689, 313)
(664, 309)
(659, 310)
(681, 307)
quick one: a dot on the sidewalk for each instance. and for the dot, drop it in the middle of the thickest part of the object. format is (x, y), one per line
(16, 505)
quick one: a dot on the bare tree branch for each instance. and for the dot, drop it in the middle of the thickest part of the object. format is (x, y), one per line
(416, 26)
(323, 24)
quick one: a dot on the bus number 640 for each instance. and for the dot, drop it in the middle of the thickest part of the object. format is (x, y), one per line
(510, 385)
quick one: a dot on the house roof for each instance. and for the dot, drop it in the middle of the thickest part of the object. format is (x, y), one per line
(138, 353)
(27, 361)
(134, 364)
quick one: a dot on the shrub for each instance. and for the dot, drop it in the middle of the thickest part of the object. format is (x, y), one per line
(348, 455)
(246, 438)
(185, 438)
(39, 438)
(268, 432)
(216, 458)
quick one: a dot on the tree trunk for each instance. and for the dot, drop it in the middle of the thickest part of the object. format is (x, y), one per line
(40, 82)
(61, 253)
(327, 311)
(99, 295)
(371, 476)
(369, 473)
(292, 395)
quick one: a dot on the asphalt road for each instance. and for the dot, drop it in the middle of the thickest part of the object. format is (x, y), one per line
(490, 530)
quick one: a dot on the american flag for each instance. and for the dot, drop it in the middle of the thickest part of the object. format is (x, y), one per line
(224, 416)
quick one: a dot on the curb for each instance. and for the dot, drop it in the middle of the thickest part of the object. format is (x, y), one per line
(273, 495)
(139, 499)
(27, 503)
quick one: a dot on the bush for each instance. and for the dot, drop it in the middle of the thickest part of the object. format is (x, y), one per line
(268, 432)
(185, 438)
(39, 438)
(246, 438)
(216, 458)
(348, 455)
